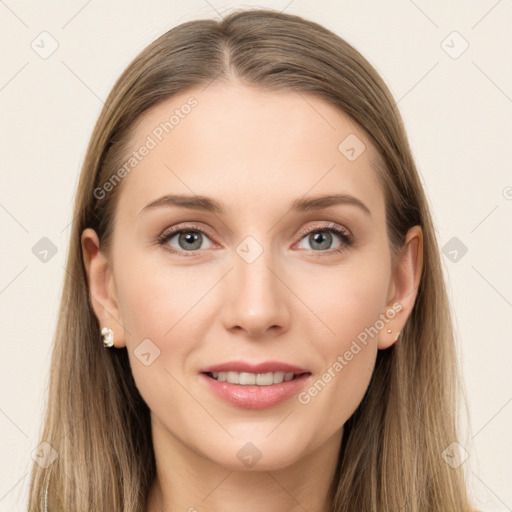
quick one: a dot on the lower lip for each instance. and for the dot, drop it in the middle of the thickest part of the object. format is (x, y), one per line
(256, 397)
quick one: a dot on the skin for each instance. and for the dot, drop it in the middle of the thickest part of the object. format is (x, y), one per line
(256, 152)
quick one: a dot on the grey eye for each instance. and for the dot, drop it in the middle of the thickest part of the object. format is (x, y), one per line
(320, 240)
(188, 240)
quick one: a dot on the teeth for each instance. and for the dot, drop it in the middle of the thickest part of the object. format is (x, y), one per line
(251, 379)
(245, 379)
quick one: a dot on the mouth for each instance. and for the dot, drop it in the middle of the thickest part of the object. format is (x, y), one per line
(260, 386)
(254, 379)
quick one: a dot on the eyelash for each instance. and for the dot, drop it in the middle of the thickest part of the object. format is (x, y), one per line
(345, 236)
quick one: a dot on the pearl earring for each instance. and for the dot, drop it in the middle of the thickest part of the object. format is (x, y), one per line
(107, 336)
(397, 334)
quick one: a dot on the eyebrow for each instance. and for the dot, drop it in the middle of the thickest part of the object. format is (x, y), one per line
(209, 204)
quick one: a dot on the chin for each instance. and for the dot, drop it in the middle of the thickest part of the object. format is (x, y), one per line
(257, 452)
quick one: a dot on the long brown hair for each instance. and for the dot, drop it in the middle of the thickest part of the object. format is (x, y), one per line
(97, 422)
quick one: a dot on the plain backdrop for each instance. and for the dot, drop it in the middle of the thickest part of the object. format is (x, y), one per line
(448, 65)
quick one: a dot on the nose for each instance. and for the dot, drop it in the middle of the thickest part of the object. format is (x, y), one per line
(256, 298)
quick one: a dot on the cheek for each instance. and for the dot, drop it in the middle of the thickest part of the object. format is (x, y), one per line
(155, 299)
(345, 300)
(349, 303)
(166, 305)
(160, 305)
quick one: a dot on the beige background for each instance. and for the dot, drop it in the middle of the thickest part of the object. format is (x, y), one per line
(458, 114)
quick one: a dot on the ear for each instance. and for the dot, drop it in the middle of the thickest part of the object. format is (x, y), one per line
(403, 287)
(102, 290)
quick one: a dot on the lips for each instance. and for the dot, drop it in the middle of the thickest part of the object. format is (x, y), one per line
(259, 396)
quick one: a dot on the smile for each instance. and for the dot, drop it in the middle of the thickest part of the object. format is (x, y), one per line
(251, 379)
(254, 390)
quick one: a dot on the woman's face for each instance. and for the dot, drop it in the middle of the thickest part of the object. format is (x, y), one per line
(263, 278)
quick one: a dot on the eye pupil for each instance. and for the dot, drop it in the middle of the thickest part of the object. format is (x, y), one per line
(191, 239)
(323, 238)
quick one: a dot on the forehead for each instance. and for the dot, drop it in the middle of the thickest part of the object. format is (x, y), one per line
(249, 147)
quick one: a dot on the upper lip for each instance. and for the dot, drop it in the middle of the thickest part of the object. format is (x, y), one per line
(264, 367)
